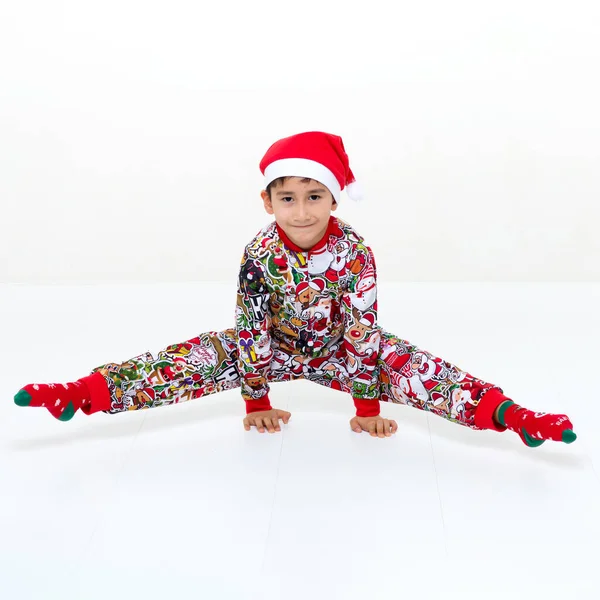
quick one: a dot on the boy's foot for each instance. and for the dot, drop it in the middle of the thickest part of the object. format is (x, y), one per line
(61, 399)
(534, 428)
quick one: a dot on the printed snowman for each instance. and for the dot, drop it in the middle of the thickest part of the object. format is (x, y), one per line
(366, 290)
(319, 260)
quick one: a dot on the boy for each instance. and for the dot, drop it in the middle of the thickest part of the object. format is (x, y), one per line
(306, 308)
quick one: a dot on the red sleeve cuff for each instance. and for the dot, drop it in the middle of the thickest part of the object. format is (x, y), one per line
(258, 405)
(366, 408)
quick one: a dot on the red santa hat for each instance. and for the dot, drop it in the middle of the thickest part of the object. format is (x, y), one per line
(364, 378)
(315, 154)
(317, 363)
(368, 319)
(252, 378)
(316, 284)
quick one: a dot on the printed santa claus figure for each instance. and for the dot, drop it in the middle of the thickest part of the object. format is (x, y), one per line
(285, 362)
(340, 257)
(320, 366)
(322, 315)
(427, 370)
(460, 399)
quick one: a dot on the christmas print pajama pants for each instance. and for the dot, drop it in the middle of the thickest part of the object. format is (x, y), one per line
(207, 364)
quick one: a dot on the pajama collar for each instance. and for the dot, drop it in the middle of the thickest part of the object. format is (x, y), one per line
(332, 229)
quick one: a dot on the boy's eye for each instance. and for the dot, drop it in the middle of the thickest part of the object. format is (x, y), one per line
(286, 198)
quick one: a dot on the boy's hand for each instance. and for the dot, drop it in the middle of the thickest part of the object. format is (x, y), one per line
(266, 418)
(376, 426)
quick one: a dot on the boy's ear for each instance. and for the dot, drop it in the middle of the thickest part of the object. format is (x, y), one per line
(267, 202)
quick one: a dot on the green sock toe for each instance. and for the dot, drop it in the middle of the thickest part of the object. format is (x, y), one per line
(568, 436)
(22, 398)
(531, 442)
(68, 413)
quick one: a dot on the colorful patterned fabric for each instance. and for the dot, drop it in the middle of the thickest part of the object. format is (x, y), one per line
(208, 363)
(308, 304)
(301, 314)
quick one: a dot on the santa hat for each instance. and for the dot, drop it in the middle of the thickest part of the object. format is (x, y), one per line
(314, 154)
(317, 363)
(367, 319)
(364, 378)
(252, 378)
(316, 284)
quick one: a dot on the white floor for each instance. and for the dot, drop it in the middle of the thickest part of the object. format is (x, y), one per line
(181, 502)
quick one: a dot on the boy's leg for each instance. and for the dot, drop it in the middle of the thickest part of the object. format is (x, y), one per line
(200, 366)
(412, 376)
(415, 377)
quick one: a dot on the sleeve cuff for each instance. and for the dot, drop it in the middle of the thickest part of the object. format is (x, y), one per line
(258, 405)
(366, 408)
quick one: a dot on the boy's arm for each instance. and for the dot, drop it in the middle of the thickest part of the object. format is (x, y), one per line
(253, 320)
(361, 333)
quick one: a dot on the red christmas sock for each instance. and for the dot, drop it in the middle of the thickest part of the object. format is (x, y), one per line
(63, 400)
(534, 428)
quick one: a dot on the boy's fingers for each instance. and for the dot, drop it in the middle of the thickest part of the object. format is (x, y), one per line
(276, 424)
(259, 424)
(394, 426)
(372, 428)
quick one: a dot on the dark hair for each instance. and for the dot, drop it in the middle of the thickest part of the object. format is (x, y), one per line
(282, 180)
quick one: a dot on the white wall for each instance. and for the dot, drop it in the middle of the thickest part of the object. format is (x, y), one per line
(131, 132)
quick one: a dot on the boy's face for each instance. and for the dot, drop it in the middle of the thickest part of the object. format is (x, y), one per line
(302, 210)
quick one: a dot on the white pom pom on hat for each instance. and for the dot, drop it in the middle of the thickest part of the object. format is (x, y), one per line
(314, 154)
(355, 191)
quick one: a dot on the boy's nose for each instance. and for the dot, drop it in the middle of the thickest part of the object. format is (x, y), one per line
(301, 214)
(303, 210)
